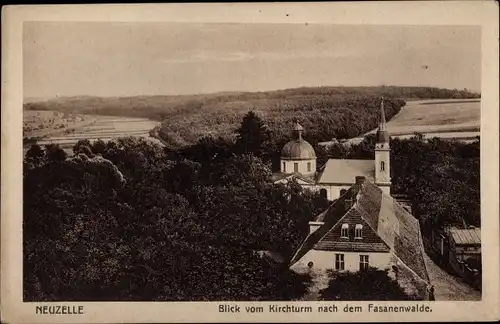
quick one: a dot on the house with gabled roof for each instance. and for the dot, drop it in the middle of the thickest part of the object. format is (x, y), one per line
(298, 161)
(365, 227)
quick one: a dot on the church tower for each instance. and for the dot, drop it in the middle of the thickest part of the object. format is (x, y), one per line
(383, 155)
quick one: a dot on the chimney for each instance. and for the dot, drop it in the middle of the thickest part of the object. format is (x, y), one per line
(360, 180)
(348, 204)
(313, 226)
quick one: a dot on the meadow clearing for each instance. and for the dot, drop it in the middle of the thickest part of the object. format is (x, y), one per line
(443, 118)
(45, 123)
(91, 127)
(437, 116)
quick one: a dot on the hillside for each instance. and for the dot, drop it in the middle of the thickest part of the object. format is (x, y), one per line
(325, 112)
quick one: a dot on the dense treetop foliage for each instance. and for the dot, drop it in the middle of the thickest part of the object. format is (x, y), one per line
(131, 220)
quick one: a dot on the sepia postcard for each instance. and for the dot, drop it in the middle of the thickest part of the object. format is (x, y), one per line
(250, 162)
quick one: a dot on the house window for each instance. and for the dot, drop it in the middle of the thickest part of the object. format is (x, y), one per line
(295, 167)
(344, 231)
(323, 193)
(382, 166)
(358, 232)
(308, 166)
(284, 167)
(363, 262)
(339, 262)
(342, 192)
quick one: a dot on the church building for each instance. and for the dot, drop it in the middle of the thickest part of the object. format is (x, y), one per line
(364, 226)
(298, 161)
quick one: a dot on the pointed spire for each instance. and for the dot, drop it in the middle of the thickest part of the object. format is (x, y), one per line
(298, 130)
(382, 133)
(382, 115)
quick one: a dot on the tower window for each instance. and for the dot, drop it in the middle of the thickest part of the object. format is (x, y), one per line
(344, 231)
(295, 167)
(284, 167)
(308, 166)
(382, 166)
(358, 232)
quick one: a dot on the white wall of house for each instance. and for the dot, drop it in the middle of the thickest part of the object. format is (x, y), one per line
(306, 167)
(325, 260)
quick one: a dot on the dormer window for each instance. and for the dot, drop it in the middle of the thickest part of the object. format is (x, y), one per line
(344, 231)
(358, 231)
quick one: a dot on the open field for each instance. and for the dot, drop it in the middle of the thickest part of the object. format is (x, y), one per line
(447, 119)
(437, 116)
(41, 124)
(94, 127)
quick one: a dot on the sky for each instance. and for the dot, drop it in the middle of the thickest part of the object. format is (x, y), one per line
(144, 58)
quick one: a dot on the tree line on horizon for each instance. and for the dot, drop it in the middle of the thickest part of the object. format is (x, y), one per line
(326, 112)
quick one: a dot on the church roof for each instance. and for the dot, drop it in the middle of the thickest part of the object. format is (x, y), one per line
(382, 133)
(393, 228)
(298, 149)
(277, 176)
(344, 171)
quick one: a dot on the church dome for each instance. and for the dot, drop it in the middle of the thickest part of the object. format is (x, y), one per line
(298, 149)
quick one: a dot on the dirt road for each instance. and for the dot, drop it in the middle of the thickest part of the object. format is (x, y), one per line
(447, 287)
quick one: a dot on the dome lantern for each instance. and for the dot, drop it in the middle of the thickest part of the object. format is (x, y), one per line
(298, 130)
(298, 148)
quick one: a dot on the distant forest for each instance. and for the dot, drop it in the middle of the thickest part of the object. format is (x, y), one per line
(325, 112)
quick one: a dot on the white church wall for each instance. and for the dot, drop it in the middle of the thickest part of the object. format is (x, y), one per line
(325, 260)
(332, 191)
(335, 191)
(303, 166)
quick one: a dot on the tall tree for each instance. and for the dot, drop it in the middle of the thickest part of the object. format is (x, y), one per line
(35, 156)
(252, 134)
(82, 146)
(55, 153)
